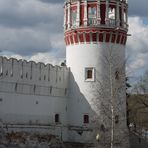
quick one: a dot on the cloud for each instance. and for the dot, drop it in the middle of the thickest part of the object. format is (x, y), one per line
(52, 1)
(27, 27)
(137, 45)
(138, 8)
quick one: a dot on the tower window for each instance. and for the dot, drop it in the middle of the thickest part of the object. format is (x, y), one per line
(116, 119)
(73, 17)
(44, 77)
(26, 75)
(57, 118)
(85, 119)
(92, 15)
(89, 74)
(117, 75)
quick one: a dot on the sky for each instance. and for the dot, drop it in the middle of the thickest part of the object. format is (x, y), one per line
(33, 30)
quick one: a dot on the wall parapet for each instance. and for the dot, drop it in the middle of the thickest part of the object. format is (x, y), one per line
(21, 76)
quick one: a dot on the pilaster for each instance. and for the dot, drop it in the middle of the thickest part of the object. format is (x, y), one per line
(78, 14)
(69, 16)
(107, 10)
(85, 13)
(98, 13)
(117, 14)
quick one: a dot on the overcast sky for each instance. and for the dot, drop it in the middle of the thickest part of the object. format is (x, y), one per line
(33, 30)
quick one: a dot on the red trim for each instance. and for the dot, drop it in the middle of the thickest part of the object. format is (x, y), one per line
(82, 15)
(100, 37)
(71, 39)
(75, 38)
(122, 40)
(87, 36)
(94, 37)
(118, 38)
(81, 38)
(107, 37)
(112, 37)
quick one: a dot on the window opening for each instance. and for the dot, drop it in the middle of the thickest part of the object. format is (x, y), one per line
(89, 74)
(111, 16)
(92, 15)
(117, 75)
(86, 119)
(57, 118)
(44, 77)
(73, 17)
(116, 119)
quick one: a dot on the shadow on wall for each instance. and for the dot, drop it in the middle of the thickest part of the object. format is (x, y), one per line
(81, 116)
(89, 119)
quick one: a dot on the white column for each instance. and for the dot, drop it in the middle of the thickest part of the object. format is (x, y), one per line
(122, 15)
(117, 14)
(65, 15)
(98, 13)
(85, 13)
(126, 11)
(78, 14)
(107, 9)
(69, 13)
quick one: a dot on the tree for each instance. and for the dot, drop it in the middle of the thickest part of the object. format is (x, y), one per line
(138, 103)
(110, 98)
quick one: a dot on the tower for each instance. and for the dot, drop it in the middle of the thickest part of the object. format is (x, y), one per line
(95, 37)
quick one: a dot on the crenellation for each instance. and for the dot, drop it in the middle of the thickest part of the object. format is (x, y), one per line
(31, 78)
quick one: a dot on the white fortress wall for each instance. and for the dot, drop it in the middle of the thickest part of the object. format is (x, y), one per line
(32, 93)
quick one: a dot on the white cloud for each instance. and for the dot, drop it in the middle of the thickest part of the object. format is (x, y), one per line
(28, 27)
(137, 45)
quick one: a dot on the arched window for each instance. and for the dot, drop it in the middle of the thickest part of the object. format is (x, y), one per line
(73, 17)
(91, 15)
(124, 15)
(111, 16)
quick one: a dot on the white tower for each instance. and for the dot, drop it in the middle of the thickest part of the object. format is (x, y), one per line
(95, 37)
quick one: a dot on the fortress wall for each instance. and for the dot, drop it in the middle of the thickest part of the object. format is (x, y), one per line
(32, 93)
(21, 71)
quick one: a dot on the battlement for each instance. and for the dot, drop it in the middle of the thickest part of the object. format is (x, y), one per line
(31, 78)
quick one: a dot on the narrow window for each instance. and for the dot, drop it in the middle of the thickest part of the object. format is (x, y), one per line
(26, 75)
(50, 89)
(11, 74)
(1, 70)
(44, 77)
(21, 74)
(89, 74)
(15, 87)
(85, 119)
(6, 72)
(34, 88)
(59, 79)
(111, 16)
(116, 119)
(57, 118)
(117, 75)
(73, 17)
(92, 15)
